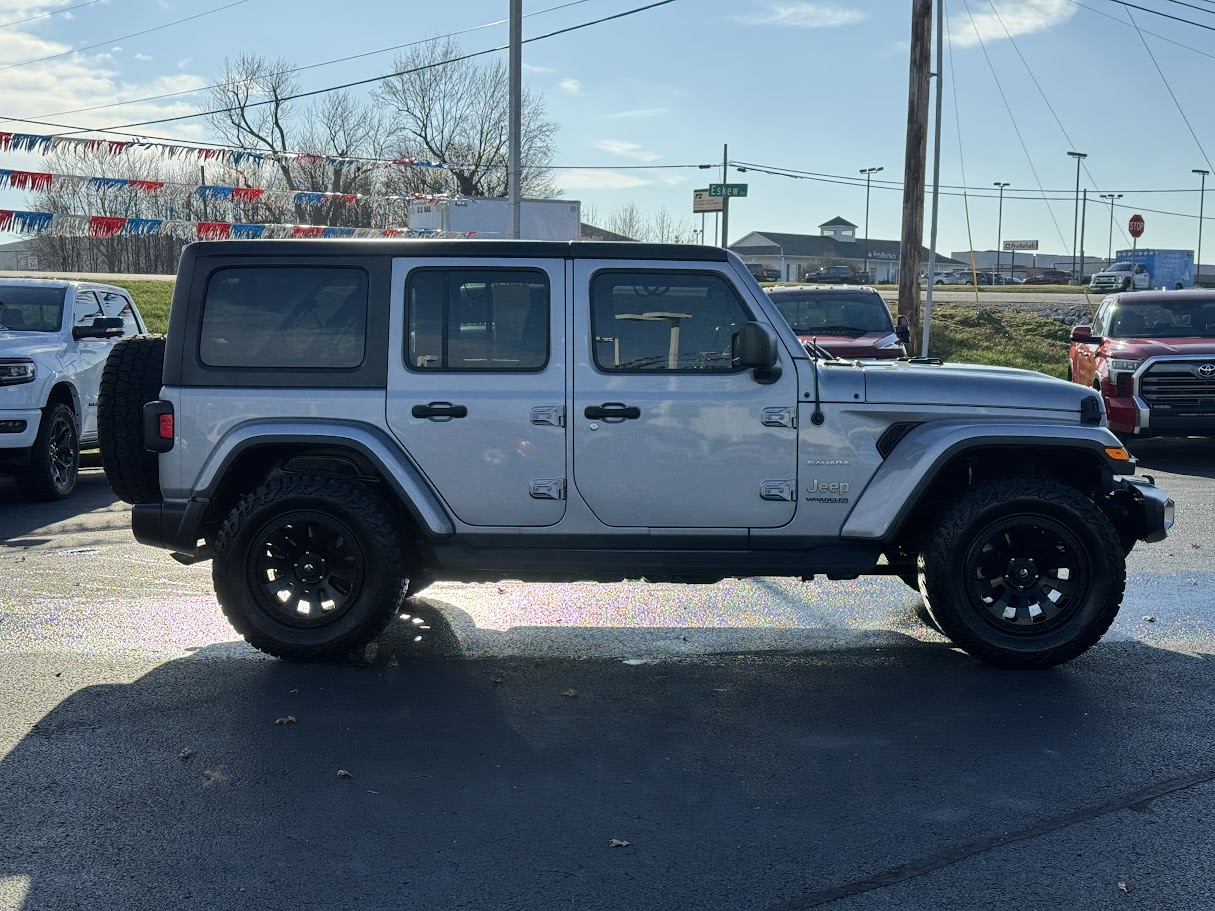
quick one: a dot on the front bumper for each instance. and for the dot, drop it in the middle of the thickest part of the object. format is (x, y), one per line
(1150, 509)
(12, 434)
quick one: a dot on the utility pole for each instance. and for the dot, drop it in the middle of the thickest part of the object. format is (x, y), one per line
(515, 116)
(1109, 251)
(912, 236)
(936, 179)
(868, 172)
(725, 200)
(1202, 195)
(1000, 222)
(1083, 220)
(1079, 156)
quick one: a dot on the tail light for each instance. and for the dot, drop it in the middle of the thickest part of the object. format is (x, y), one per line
(158, 426)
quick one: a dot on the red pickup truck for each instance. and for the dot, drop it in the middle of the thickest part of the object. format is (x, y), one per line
(1152, 356)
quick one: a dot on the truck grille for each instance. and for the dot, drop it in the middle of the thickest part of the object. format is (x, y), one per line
(1180, 387)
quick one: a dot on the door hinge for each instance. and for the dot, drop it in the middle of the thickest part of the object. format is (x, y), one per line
(553, 415)
(779, 417)
(548, 489)
(777, 490)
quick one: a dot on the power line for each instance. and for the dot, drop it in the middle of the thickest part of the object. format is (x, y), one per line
(1145, 31)
(1156, 12)
(1013, 120)
(1164, 78)
(88, 47)
(360, 82)
(1038, 86)
(56, 12)
(1201, 9)
(300, 69)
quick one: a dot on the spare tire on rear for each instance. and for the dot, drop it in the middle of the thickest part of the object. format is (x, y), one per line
(131, 378)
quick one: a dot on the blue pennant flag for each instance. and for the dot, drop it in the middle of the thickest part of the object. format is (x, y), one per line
(207, 192)
(338, 232)
(107, 182)
(309, 199)
(142, 226)
(31, 222)
(247, 232)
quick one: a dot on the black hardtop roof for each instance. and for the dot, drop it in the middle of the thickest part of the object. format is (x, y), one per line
(532, 249)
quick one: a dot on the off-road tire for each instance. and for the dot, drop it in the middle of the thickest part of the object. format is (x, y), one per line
(378, 540)
(131, 378)
(43, 479)
(960, 613)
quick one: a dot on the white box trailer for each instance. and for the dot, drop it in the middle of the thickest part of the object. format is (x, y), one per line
(489, 218)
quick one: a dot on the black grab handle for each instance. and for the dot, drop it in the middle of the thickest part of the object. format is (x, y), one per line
(440, 410)
(609, 410)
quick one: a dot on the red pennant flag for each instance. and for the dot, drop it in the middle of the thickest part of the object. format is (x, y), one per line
(104, 226)
(214, 230)
(30, 180)
(6, 140)
(349, 198)
(246, 194)
(117, 147)
(6, 218)
(392, 232)
(309, 158)
(208, 154)
(147, 186)
(307, 231)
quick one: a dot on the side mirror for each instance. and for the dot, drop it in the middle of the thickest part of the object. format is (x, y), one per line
(103, 327)
(903, 330)
(1082, 334)
(754, 346)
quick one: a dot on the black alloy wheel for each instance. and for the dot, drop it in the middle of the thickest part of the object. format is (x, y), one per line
(1028, 573)
(62, 451)
(54, 462)
(307, 568)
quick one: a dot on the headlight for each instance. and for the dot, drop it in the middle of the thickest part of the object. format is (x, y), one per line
(1120, 364)
(15, 370)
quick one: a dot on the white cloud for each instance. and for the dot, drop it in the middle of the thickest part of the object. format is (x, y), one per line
(532, 68)
(803, 15)
(579, 179)
(636, 114)
(1022, 17)
(184, 62)
(143, 58)
(572, 86)
(625, 150)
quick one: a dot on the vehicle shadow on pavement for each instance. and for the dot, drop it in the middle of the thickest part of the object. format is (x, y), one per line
(1193, 456)
(19, 516)
(418, 778)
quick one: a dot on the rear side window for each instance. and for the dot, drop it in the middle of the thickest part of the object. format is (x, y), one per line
(664, 321)
(477, 319)
(285, 317)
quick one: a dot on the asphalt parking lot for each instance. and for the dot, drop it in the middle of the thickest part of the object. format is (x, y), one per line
(759, 745)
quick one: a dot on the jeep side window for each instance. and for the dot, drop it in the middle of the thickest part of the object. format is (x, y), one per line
(311, 317)
(465, 319)
(664, 321)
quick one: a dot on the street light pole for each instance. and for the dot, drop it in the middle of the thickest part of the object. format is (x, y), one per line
(1202, 195)
(1079, 156)
(1000, 223)
(868, 172)
(515, 120)
(1109, 253)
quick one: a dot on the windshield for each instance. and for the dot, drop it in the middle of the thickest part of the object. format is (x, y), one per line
(29, 308)
(812, 313)
(1120, 267)
(1165, 319)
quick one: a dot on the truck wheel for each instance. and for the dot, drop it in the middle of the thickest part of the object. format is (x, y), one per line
(131, 377)
(1126, 284)
(309, 567)
(1024, 573)
(55, 456)
(913, 578)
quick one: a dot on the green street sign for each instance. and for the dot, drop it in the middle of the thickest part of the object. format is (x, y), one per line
(727, 189)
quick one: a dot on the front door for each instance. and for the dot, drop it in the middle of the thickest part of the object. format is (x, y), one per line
(667, 433)
(476, 384)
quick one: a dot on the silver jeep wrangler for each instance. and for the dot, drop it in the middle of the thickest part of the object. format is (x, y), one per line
(336, 424)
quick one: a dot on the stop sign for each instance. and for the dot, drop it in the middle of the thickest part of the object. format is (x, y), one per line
(1136, 226)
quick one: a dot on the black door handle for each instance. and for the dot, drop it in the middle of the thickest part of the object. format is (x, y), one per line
(609, 410)
(440, 410)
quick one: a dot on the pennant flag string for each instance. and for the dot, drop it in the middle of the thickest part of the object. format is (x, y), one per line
(69, 225)
(40, 181)
(42, 145)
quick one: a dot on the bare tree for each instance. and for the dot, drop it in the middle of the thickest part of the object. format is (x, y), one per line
(665, 228)
(454, 111)
(630, 221)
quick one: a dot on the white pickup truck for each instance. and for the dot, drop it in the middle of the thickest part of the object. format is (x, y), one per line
(55, 337)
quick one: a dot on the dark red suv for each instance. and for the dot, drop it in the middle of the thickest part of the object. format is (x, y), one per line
(1151, 354)
(1050, 277)
(846, 322)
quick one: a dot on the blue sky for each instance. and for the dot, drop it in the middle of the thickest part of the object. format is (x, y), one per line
(817, 86)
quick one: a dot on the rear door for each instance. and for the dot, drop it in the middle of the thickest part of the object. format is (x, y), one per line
(476, 384)
(666, 432)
